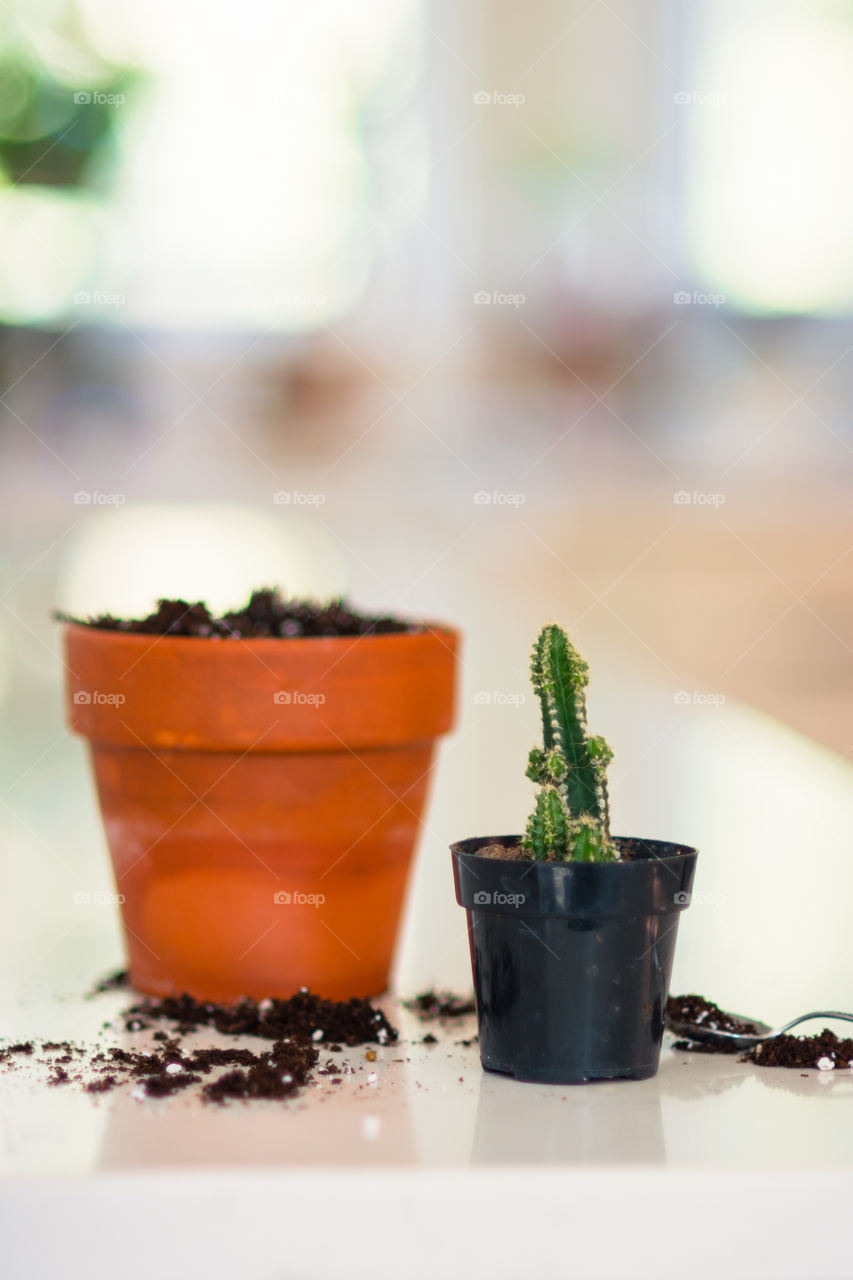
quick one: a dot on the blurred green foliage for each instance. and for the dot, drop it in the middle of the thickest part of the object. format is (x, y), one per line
(57, 116)
(50, 132)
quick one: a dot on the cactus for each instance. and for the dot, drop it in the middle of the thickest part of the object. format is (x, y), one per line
(571, 819)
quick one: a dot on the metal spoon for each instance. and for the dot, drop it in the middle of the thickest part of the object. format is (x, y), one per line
(741, 1040)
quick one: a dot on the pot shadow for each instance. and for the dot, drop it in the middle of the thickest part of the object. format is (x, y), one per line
(596, 1123)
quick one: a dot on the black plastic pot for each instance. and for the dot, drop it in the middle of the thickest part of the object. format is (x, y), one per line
(572, 960)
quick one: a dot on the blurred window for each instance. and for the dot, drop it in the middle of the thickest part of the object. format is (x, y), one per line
(768, 183)
(205, 165)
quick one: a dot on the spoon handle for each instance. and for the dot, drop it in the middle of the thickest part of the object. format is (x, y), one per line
(807, 1017)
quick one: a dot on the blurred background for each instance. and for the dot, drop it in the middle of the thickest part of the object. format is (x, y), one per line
(477, 311)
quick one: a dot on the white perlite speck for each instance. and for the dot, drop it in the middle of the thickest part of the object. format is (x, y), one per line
(174, 1069)
(372, 1078)
(825, 1064)
(317, 1035)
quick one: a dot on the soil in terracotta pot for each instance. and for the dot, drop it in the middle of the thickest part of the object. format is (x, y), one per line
(268, 613)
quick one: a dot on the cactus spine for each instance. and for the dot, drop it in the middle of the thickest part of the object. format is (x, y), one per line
(571, 819)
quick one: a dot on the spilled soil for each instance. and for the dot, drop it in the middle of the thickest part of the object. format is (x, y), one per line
(823, 1052)
(300, 1028)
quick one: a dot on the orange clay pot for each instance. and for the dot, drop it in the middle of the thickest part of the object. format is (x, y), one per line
(261, 800)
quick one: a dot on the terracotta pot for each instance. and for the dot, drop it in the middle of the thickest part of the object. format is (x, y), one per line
(261, 800)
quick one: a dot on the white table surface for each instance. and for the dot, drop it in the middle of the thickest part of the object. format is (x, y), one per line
(439, 1161)
(436, 1168)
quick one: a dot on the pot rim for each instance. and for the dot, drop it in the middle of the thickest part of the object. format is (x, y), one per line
(658, 884)
(267, 694)
(466, 849)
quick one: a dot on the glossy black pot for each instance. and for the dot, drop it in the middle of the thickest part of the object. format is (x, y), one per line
(572, 960)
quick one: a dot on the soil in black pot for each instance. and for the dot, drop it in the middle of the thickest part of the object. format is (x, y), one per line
(628, 850)
(268, 613)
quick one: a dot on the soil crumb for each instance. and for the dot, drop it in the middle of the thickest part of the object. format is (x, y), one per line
(825, 1052)
(117, 981)
(434, 1006)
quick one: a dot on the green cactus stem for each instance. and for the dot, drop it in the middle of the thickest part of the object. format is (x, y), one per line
(548, 827)
(571, 819)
